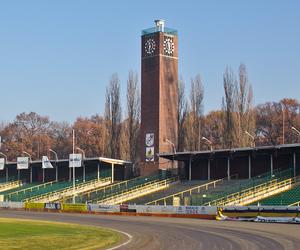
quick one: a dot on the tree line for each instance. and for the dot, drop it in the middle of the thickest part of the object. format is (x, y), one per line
(115, 134)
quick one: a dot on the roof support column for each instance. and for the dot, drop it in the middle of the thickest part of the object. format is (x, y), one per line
(18, 174)
(43, 174)
(56, 172)
(70, 174)
(208, 169)
(294, 161)
(6, 174)
(98, 171)
(228, 168)
(190, 168)
(271, 160)
(30, 174)
(83, 172)
(112, 172)
(249, 166)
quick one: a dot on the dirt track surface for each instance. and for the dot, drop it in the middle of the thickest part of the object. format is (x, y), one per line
(184, 234)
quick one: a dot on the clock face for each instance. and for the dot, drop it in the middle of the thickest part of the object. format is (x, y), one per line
(168, 46)
(150, 46)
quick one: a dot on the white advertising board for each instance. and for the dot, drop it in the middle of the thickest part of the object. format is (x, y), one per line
(22, 163)
(75, 160)
(46, 163)
(103, 208)
(2, 163)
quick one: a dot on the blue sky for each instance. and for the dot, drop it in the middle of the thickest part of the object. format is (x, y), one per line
(56, 57)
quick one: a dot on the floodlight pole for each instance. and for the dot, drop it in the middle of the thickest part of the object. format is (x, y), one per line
(208, 141)
(208, 161)
(83, 154)
(24, 152)
(296, 130)
(56, 160)
(174, 151)
(252, 137)
(73, 166)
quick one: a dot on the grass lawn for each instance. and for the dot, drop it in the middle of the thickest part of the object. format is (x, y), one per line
(30, 234)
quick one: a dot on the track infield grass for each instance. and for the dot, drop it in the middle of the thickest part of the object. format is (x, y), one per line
(31, 234)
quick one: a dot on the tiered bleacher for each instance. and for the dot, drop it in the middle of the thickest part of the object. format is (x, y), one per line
(38, 191)
(61, 191)
(283, 199)
(262, 185)
(126, 190)
(174, 188)
(5, 186)
(207, 193)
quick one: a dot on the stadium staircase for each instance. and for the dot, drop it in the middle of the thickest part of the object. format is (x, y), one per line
(61, 191)
(274, 184)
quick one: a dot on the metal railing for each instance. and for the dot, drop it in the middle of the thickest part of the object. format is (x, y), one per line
(295, 204)
(93, 196)
(30, 189)
(190, 190)
(65, 190)
(137, 191)
(3, 187)
(249, 195)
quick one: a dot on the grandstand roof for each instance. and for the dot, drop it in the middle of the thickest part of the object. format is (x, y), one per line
(92, 159)
(220, 153)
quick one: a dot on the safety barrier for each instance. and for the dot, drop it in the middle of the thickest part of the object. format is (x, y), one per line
(132, 210)
(260, 214)
(233, 213)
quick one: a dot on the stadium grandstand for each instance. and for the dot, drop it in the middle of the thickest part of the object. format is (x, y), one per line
(242, 176)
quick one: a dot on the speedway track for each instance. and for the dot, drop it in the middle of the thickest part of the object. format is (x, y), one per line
(177, 233)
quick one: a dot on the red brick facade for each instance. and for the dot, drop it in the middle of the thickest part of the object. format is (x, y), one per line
(159, 98)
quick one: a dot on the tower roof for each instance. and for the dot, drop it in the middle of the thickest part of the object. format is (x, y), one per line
(159, 27)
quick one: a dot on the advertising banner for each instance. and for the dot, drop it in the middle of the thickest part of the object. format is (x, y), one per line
(2, 163)
(74, 207)
(29, 205)
(46, 162)
(22, 163)
(103, 208)
(53, 206)
(75, 160)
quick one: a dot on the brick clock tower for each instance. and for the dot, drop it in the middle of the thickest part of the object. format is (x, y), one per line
(159, 97)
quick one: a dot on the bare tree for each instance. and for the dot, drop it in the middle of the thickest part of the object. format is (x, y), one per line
(245, 111)
(195, 113)
(229, 107)
(182, 115)
(113, 116)
(133, 115)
